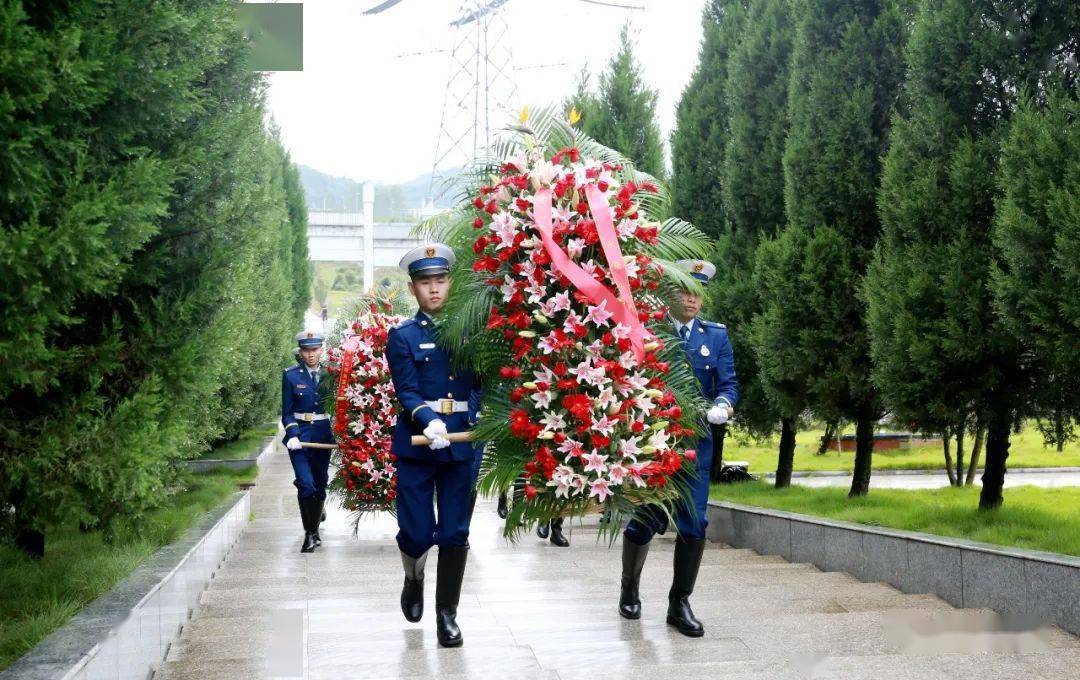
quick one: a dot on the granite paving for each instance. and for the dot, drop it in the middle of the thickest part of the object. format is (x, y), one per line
(532, 611)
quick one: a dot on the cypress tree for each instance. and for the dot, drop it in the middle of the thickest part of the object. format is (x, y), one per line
(845, 74)
(752, 187)
(621, 114)
(699, 141)
(147, 253)
(941, 353)
(1036, 232)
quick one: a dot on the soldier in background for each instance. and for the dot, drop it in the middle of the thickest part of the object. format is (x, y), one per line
(708, 350)
(305, 421)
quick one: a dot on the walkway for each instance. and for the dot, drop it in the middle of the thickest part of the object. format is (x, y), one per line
(533, 611)
(915, 479)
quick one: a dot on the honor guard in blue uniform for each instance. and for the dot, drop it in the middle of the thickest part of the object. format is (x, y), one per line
(436, 398)
(305, 421)
(708, 350)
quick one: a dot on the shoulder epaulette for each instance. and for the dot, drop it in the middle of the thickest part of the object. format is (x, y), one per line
(712, 324)
(405, 323)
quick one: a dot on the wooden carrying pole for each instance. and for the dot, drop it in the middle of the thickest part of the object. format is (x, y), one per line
(316, 445)
(421, 440)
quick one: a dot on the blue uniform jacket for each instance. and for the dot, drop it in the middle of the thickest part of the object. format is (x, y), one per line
(709, 351)
(422, 372)
(299, 395)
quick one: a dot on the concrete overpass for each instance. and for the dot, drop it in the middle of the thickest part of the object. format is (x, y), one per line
(339, 237)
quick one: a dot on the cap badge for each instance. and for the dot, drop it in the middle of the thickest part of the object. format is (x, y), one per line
(698, 267)
(430, 252)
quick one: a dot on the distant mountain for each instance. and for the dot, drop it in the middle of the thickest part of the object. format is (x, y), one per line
(392, 201)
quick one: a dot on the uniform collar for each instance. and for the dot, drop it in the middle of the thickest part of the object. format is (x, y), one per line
(679, 325)
(425, 319)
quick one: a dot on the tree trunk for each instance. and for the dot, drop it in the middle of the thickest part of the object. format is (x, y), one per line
(785, 459)
(997, 452)
(946, 443)
(960, 454)
(976, 451)
(826, 439)
(27, 539)
(864, 453)
(1059, 430)
(719, 433)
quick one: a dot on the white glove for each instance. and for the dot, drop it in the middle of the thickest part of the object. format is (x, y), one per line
(294, 444)
(718, 414)
(436, 431)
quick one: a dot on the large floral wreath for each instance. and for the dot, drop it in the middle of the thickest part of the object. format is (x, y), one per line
(564, 280)
(365, 408)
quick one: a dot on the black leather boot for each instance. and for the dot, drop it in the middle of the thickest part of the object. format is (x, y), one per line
(321, 514)
(412, 593)
(504, 507)
(543, 529)
(687, 562)
(557, 537)
(309, 518)
(448, 592)
(633, 560)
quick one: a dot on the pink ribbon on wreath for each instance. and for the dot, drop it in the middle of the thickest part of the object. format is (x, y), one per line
(623, 310)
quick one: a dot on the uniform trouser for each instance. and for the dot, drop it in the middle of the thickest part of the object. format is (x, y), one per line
(419, 484)
(690, 519)
(310, 471)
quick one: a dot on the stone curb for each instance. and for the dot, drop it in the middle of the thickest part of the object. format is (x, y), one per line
(1027, 585)
(200, 466)
(126, 632)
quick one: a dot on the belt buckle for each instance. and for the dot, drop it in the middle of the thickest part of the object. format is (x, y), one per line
(446, 406)
(309, 417)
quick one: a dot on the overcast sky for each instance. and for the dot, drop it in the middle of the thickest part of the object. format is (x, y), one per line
(362, 110)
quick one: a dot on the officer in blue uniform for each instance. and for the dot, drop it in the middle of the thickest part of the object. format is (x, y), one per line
(708, 350)
(305, 421)
(436, 398)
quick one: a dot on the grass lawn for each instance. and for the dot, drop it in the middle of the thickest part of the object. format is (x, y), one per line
(1032, 517)
(246, 446)
(337, 300)
(1027, 450)
(40, 596)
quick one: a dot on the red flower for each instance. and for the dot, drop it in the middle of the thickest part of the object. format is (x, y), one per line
(486, 263)
(530, 492)
(579, 406)
(480, 244)
(540, 257)
(521, 426)
(495, 320)
(520, 347)
(510, 372)
(519, 319)
(477, 223)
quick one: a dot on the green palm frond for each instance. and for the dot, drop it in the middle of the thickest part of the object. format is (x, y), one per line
(679, 240)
